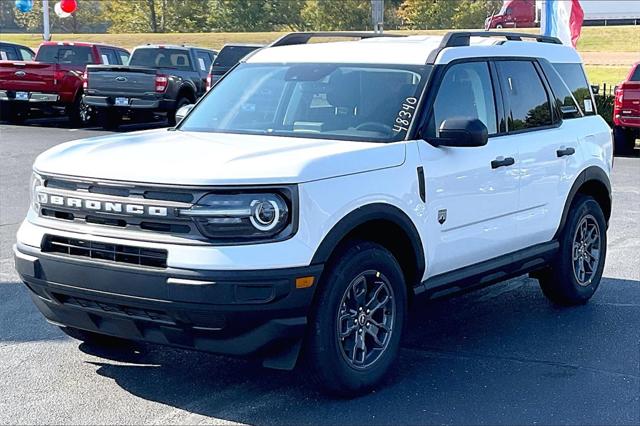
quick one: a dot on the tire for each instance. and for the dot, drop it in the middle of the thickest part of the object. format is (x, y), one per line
(109, 118)
(171, 115)
(499, 26)
(330, 360)
(81, 114)
(623, 141)
(92, 338)
(567, 283)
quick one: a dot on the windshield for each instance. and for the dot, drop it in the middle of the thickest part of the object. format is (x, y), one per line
(346, 102)
(161, 58)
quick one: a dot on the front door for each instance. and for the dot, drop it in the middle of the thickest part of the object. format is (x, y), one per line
(472, 193)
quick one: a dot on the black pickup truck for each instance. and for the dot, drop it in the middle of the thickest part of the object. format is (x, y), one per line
(158, 79)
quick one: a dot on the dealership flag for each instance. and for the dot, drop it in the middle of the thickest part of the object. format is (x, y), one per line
(562, 19)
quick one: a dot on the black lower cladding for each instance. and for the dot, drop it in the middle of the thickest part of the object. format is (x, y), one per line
(228, 312)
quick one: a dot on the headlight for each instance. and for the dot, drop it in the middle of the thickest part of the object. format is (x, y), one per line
(36, 184)
(229, 217)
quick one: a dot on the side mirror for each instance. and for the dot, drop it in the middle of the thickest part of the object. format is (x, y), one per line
(462, 132)
(182, 112)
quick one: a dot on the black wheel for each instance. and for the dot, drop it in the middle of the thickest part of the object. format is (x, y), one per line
(81, 114)
(93, 338)
(109, 118)
(623, 141)
(575, 274)
(171, 115)
(357, 320)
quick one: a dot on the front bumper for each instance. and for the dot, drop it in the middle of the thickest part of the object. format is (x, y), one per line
(158, 104)
(227, 312)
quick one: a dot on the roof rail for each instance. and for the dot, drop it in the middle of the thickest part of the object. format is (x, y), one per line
(304, 37)
(463, 38)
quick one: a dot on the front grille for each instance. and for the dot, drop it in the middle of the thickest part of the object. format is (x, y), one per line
(118, 253)
(172, 199)
(113, 308)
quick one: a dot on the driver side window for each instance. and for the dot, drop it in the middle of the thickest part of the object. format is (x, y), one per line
(465, 92)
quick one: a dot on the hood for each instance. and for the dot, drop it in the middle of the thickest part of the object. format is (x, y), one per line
(197, 158)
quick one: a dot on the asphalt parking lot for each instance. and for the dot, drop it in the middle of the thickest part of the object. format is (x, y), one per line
(501, 355)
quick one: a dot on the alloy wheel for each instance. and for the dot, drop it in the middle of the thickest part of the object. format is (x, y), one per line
(586, 250)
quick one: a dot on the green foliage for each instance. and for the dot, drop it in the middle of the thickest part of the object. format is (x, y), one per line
(329, 15)
(255, 15)
(86, 18)
(604, 105)
(439, 14)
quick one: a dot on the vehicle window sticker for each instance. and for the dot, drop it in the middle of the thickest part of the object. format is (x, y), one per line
(405, 114)
(202, 66)
(105, 59)
(588, 106)
(3, 55)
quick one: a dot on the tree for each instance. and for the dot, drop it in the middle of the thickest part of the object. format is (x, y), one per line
(330, 15)
(255, 15)
(472, 13)
(428, 14)
(87, 18)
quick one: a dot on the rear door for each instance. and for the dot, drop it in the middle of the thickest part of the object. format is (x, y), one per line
(548, 146)
(472, 193)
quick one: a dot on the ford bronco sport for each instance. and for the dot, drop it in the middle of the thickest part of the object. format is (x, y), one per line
(317, 190)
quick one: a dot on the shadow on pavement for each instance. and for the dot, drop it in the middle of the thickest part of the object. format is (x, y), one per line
(497, 354)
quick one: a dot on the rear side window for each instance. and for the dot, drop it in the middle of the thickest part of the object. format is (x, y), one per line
(66, 55)
(124, 57)
(636, 74)
(574, 77)
(565, 101)
(26, 54)
(108, 56)
(204, 60)
(162, 58)
(526, 101)
(465, 92)
(8, 53)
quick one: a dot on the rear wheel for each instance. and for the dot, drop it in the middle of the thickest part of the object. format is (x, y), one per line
(14, 114)
(109, 118)
(171, 115)
(357, 320)
(623, 141)
(81, 114)
(575, 274)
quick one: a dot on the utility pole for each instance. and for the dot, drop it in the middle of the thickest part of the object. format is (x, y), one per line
(377, 15)
(46, 34)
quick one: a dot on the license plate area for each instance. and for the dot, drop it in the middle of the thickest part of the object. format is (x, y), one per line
(22, 96)
(121, 102)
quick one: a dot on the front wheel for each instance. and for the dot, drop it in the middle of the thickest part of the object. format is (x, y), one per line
(576, 273)
(81, 114)
(357, 320)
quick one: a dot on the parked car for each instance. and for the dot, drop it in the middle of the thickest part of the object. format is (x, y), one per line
(229, 56)
(15, 52)
(158, 79)
(54, 80)
(626, 113)
(316, 191)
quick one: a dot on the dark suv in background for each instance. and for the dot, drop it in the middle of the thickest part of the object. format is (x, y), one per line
(158, 79)
(228, 57)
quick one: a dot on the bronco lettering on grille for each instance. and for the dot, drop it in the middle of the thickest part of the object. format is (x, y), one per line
(102, 206)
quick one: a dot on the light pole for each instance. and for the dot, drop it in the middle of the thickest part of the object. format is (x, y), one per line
(46, 34)
(377, 15)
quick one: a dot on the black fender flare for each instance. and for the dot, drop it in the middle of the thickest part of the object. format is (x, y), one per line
(362, 215)
(188, 87)
(591, 173)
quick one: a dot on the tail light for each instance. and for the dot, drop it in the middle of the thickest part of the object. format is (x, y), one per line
(208, 81)
(85, 80)
(162, 82)
(58, 75)
(619, 96)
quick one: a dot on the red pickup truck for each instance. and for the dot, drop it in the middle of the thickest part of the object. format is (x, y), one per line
(626, 113)
(54, 80)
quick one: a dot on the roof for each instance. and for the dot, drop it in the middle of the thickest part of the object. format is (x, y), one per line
(411, 50)
(77, 43)
(171, 46)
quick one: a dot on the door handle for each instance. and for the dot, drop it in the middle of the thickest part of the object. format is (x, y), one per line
(565, 151)
(502, 162)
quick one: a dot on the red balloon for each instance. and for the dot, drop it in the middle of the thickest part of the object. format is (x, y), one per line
(68, 6)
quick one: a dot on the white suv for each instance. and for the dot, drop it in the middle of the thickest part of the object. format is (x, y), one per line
(317, 189)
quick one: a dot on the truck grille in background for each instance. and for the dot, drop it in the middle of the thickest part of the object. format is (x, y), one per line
(117, 253)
